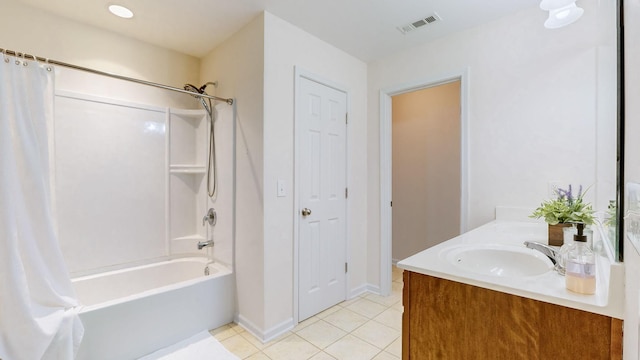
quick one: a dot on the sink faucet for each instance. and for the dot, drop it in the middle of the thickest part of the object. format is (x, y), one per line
(552, 253)
(202, 244)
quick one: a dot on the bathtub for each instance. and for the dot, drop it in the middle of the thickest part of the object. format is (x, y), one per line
(132, 312)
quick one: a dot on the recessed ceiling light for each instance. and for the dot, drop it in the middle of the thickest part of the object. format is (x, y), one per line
(121, 11)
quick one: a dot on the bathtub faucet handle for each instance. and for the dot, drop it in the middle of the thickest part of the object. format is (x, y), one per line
(211, 217)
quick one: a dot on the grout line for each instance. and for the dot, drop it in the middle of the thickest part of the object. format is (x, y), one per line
(342, 306)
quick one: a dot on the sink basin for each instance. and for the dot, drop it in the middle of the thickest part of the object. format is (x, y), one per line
(499, 260)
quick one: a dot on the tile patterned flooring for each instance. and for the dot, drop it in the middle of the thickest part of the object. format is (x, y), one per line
(367, 327)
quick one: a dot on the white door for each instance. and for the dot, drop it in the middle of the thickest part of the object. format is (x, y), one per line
(321, 127)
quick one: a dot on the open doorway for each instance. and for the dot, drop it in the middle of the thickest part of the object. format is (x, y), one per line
(386, 214)
(425, 168)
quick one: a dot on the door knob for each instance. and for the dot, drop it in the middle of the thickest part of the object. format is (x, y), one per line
(306, 212)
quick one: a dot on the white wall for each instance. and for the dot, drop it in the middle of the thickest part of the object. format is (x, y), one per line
(238, 65)
(37, 32)
(33, 31)
(532, 111)
(256, 66)
(426, 168)
(287, 46)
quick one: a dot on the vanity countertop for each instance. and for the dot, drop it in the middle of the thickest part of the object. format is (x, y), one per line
(548, 287)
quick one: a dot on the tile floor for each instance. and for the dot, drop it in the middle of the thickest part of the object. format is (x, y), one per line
(367, 327)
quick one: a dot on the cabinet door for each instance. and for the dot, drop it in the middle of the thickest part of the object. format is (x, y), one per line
(448, 320)
(433, 318)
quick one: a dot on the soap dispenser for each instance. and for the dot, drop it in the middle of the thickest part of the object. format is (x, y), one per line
(567, 246)
(580, 265)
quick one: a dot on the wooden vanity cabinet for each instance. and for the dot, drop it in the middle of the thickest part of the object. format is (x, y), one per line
(449, 320)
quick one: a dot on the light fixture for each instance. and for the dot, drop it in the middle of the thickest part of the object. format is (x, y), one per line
(121, 11)
(561, 12)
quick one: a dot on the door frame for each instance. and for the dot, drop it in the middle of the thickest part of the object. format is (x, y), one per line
(299, 74)
(386, 166)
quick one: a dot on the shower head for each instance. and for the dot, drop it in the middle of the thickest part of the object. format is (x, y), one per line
(199, 90)
(192, 88)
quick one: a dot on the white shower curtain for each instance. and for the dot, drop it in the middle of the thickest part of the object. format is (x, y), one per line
(38, 317)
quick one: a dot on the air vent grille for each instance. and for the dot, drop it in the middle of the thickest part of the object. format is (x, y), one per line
(419, 23)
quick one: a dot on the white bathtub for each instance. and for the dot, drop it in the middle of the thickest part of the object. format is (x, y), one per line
(132, 312)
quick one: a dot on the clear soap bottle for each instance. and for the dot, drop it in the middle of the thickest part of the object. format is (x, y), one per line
(580, 265)
(568, 244)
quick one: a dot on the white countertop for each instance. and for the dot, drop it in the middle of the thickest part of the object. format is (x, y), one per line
(548, 287)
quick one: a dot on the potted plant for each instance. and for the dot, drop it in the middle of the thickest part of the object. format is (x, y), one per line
(563, 211)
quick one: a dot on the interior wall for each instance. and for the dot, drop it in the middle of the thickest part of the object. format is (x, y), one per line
(287, 46)
(34, 31)
(532, 114)
(238, 66)
(256, 67)
(426, 168)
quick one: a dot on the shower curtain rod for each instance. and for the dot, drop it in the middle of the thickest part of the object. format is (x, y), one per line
(98, 72)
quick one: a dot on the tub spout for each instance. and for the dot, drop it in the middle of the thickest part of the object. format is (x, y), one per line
(202, 244)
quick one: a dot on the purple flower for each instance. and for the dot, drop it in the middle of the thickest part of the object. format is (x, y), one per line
(568, 194)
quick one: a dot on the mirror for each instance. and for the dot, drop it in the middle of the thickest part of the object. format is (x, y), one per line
(610, 114)
(608, 197)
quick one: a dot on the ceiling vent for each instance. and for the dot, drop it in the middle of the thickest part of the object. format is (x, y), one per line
(420, 23)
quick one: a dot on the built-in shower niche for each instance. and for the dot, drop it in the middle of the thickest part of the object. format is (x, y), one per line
(187, 153)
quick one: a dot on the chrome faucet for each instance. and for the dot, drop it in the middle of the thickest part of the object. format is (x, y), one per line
(211, 217)
(552, 253)
(202, 244)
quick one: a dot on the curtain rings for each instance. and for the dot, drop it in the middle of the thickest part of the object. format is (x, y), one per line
(24, 59)
(42, 62)
(49, 68)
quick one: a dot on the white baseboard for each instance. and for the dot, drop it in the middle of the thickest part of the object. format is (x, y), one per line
(357, 291)
(265, 335)
(278, 330)
(249, 326)
(363, 289)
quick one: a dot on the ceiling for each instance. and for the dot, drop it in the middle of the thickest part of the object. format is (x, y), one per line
(367, 29)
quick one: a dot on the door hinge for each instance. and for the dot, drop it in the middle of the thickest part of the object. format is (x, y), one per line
(346, 118)
(346, 193)
(346, 267)
(391, 204)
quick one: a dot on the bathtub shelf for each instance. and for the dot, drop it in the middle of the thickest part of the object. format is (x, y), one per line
(188, 140)
(188, 137)
(188, 114)
(190, 237)
(186, 244)
(187, 169)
